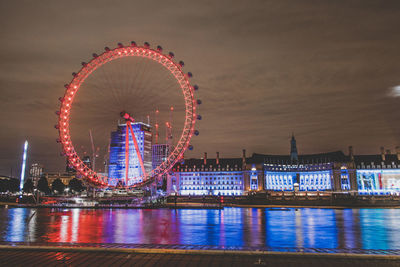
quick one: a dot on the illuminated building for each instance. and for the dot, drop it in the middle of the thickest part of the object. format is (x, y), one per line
(159, 154)
(116, 166)
(64, 177)
(313, 172)
(332, 171)
(86, 160)
(35, 172)
(208, 177)
(378, 174)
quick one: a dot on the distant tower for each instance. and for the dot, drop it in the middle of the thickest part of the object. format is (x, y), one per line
(293, 150)
(21, 184)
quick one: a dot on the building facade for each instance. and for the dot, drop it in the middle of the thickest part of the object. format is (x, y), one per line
(333, 171)
(160, 154)
(207, 177)
(35, 172)
(64, 177)
(378, 174)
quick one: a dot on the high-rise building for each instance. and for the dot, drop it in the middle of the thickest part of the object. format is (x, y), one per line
(35, 172)
(86, 160)
(117, 159)
(160, 153)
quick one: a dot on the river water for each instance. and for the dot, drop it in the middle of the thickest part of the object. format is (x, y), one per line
(239, 227)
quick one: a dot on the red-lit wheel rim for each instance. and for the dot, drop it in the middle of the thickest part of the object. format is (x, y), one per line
(79, 78)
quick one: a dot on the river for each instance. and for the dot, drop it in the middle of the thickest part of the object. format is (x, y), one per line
(238, 227)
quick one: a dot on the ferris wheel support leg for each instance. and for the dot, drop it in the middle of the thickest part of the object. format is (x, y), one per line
(137, 149)
(126, 154)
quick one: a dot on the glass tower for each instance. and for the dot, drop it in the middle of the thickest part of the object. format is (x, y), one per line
(116, 167)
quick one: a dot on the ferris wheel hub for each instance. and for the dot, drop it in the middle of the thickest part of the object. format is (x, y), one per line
(127, 116)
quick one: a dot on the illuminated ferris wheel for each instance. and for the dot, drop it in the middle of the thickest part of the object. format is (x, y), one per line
(131, 132)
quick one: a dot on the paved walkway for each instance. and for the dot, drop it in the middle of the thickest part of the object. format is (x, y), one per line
(64, 254)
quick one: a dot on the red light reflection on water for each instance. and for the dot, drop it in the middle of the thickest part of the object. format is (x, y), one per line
(76, 225)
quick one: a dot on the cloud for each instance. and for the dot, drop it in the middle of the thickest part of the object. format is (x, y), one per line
(265, 69)
(394, 91)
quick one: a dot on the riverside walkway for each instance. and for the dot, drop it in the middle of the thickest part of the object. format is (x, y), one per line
(78, 254)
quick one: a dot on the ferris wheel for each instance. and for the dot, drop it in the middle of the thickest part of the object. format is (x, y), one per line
(131, 140)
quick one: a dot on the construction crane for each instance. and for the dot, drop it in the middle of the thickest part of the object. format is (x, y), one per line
(93, 151)
(156, 126)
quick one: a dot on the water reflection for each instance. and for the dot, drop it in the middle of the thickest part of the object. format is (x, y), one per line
(314, 228)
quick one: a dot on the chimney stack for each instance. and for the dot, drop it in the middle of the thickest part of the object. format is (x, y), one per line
(244, 158)
(351, 153)
(383, 153)
(217, 158)
(398, 152)
(205, 158)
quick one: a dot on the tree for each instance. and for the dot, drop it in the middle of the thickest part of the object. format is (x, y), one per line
(14, 185)
(43, 185)
(28, 186)
(58, 186)
(4, 185)
(75, 185)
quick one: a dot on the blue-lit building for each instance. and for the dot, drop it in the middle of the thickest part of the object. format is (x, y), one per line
(207, 177)
(116, 165)
(332, 172)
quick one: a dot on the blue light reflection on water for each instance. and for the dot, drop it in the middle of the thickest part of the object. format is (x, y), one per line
(304, 227)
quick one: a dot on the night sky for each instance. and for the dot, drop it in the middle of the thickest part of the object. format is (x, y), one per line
(325, 70)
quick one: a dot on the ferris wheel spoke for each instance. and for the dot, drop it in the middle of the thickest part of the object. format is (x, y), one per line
(137, 150)
(126, 154)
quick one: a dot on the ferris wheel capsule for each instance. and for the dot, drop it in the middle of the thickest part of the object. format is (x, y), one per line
(57, 126)
(181, 63)
(107, 49)
(190, 147)
(199, 117)
(84, 64)
(94, 55)
(61, 99)
(133, 43)
(189, 74)
(58, 113)
(196, 132)
(171, 55)
(74, 74)
(159, 48)
(198, 102)
(66, 85)
(195, 87)
(146, 44)
(120, 45)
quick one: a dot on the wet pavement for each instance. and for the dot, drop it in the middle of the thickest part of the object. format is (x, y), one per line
(100, 257)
